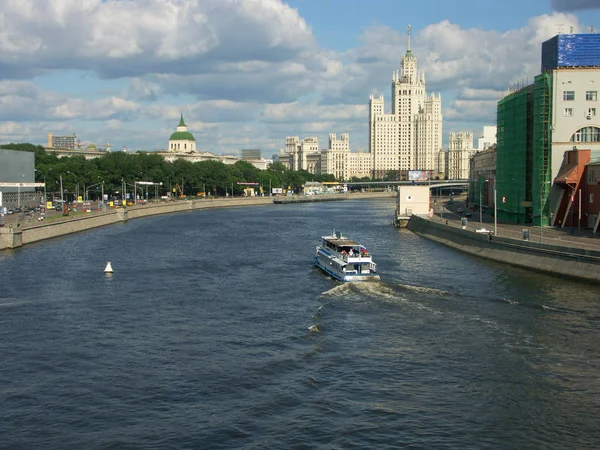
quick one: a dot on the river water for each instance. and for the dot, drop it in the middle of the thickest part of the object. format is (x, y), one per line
(216, 331)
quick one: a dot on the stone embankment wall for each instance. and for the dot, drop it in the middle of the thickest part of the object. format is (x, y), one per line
(565, 261)
(13, 237)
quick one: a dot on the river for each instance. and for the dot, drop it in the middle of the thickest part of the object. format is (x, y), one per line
(216, 331)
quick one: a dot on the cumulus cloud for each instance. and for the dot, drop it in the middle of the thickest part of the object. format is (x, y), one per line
(243, 72)
(21, 100)
(127, 38)
(574, 5)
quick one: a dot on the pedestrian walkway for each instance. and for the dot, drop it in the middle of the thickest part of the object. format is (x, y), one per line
(563, 237)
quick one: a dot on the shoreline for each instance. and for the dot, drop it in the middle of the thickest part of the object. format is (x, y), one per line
(12, 237)
(572, 261)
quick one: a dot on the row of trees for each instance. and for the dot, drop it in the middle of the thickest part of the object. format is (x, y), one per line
(117, 168)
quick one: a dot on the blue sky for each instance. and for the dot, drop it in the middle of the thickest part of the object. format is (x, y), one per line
(248, 73)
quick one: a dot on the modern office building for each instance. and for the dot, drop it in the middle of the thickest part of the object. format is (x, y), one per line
(538, 123)
(64, 142)
(411, 136)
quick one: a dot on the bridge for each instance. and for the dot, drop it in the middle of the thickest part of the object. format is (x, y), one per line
(435, 184)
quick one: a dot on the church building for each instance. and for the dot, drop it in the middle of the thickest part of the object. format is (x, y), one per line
(182, 140)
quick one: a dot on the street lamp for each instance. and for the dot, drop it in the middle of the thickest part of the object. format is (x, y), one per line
(542, 208)
(481, 202)
(37, 170)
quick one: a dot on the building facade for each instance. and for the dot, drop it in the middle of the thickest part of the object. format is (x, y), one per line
(301, 155)
(460, 150)
(66, 142)
(539, 123)
(487, 139)
(411, 136)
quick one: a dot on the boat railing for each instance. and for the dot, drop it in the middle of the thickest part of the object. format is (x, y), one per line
(354, 258)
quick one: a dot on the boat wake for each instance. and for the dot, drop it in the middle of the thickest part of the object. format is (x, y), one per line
(423, 289)
(375, 289)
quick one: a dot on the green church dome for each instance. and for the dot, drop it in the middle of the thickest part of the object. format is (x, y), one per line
(182, 136)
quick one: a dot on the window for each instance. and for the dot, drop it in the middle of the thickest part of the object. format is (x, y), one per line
(569, 95)
(568, 112)
(591, 112)
(586, 134)
(591, 198)
(591, 96)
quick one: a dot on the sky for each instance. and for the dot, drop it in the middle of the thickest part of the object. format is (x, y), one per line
(248, 73)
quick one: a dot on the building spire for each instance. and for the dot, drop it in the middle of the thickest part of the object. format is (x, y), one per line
(408, 45)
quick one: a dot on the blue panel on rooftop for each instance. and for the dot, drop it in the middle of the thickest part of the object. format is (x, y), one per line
(571, 50)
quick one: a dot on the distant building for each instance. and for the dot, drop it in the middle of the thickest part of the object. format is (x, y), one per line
(66, 142)
(301, 155)
(460, 150)
(487, 139)
(411, 136)
(250, 154)
(482, 178)
(343, 164)
(182, 140)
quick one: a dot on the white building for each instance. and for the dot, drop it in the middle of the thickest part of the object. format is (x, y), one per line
(182, 140)
(342, 163)
(301, 155)
(575, 112)
(460, 150)
(488, 138)
(411, 136)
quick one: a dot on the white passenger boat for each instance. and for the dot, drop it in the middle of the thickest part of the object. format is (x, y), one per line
(345, 259)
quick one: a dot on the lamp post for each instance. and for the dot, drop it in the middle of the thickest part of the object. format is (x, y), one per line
(542, 208)
(44, 175)
(62, 195)
(495, 210)
(481, 201)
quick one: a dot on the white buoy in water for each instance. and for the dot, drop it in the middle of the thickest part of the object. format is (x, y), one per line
(108, 268)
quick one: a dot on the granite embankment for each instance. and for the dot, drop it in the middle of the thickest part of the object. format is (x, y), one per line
(13, 236)
(569, 261)
(17, 236)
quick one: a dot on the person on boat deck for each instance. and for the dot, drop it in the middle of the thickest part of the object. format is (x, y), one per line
(351, 253)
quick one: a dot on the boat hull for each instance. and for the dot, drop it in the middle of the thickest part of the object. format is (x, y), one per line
(341, 276)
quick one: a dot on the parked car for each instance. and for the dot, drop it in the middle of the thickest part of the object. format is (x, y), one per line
(459, 210)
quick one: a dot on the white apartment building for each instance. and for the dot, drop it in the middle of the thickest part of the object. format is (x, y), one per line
(334, 160)
(301, 155)
(411, 136)
(343, 164)
(460, 150)
(487, 139)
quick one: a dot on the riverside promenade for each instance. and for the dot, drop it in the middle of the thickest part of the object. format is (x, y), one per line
(564, 252)
(19, 231)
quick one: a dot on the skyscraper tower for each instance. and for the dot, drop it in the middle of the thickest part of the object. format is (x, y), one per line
(411, 136)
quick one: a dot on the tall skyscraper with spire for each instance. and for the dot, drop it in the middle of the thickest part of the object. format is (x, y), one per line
(409, 138)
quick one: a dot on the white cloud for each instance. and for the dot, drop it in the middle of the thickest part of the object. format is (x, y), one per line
(125, 37)
(243, 72)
